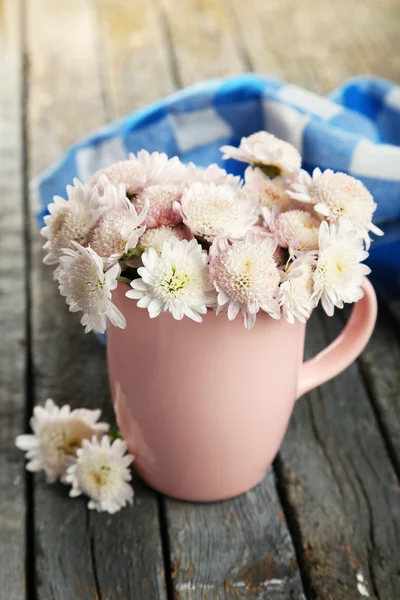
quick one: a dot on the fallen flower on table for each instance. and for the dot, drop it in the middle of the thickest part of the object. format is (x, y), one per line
(101, 471)
(57, 433)
(72, 446)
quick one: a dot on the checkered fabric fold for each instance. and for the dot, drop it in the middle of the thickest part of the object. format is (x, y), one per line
(356, 130)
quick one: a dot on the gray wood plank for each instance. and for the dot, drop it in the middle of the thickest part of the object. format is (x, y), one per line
(381, 367)
(238, 548)
(12, 314)
(204, 43)
(79, 554)
(341, 488)
(318, 45)
(136, 62)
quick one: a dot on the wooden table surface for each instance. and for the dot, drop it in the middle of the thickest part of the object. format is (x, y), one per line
(325, 522)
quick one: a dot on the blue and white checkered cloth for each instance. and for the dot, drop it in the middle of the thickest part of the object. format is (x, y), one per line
(356, 130)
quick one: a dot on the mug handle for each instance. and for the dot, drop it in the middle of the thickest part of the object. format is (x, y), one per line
(345, 348)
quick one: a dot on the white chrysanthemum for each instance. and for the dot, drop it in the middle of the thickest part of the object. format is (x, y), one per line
(294, 229)
(57, 434)
(113, 197)
(267, 193)
(102, 473)
(155, 238)
(212, 211)
(88, 289)
(297, 289)
(212, 174)
(337, 196)
(339, 273)
(142, 170)
(160, 198)
(267, 152)
(68, 220)
(177, 281)
(280, 254)
(129, 173)
(246, 277)
(117, 231)
(254, 173)
(160, 168)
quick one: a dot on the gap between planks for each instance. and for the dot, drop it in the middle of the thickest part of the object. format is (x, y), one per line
(30, 569)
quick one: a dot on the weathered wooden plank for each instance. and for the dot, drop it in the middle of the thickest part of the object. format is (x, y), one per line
(202, 41)
(12, 313)
(66, 100)
(380, 363)
(137, 65)
(79, 554)
(239, 548)
(318, 45)
(340, 485)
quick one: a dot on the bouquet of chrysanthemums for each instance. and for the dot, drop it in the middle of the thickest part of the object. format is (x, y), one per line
(188, 239)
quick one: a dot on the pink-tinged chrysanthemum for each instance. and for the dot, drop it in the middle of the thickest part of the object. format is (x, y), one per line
(129, 173)
(297, 289)
(160, 168)
(212, 211)
(117, 231)
(211, 174)
(337, 196)
(112, 197)
(88, 289)
(142, 170)
(294, 229)
(155, 238)
(68, 220)
(267, 152)
(57, 434)
(161, 198)
(102, 472)
(252, 173)
(178, 280)
(280, 255)
(267, 193)
(339, 273)
(246, 277)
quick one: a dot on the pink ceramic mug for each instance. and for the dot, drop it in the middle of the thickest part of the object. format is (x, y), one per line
(204, 407)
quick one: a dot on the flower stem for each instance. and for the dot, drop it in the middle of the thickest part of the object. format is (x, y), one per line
(124, 279)
(114, 434)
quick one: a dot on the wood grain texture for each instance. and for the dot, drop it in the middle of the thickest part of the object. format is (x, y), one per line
(136, 63)
(381, 367)
(66, 96)
(319, 45)
(202, 42)
(12, 314)
(79, 554)
(341, 488)
(239, 548)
